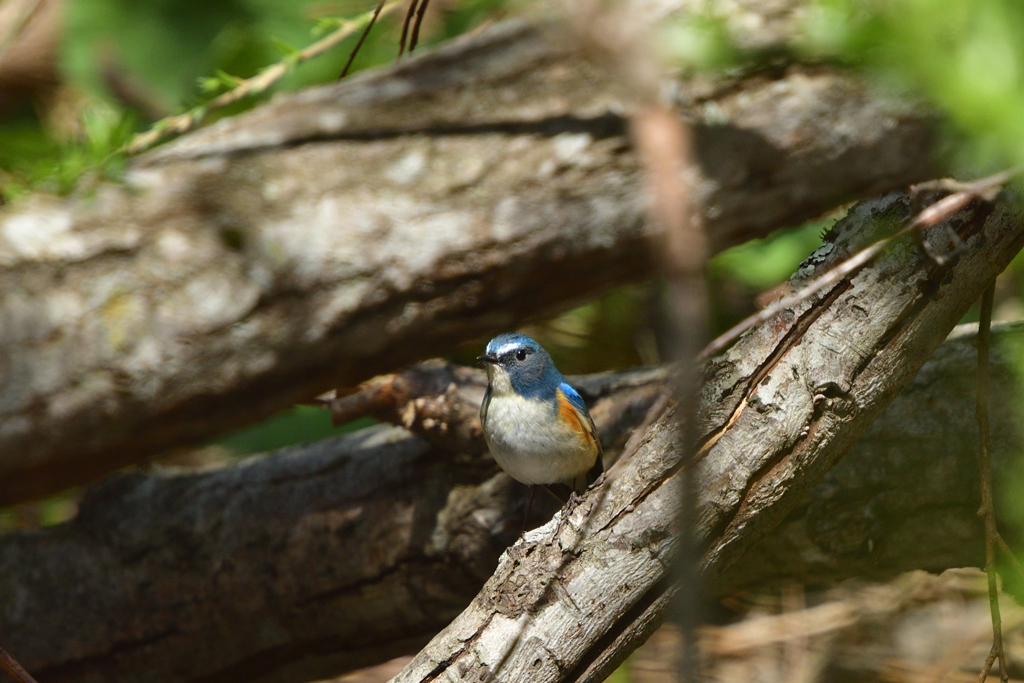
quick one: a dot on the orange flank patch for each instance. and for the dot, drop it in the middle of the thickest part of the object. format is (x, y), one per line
(568, 413)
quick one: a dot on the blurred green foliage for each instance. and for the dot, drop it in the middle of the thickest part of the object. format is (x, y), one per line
(620, 675)
(31, 158)
(53, 510)
(764, 263)
(964, 57)
(170, 45)
(301, 424)
(124, 63)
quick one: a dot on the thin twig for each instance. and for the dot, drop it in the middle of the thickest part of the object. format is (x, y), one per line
(410, 13)
(359, 43)
(16, 671)
(987, 510)
(415, 38)
(987, 666)
(939, 211)
(182, 123)
(664, 145)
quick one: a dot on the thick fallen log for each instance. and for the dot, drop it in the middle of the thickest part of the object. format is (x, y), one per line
(343, 231)
(779, 409)
(290, 567)
(906, 494)
(320, 559)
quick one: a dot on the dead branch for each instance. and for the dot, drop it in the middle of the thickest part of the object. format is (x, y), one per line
(907, 487)
(440, 402)
(308, 562)
(963, 194)
(987, 508)
(146, 529)
(780, 408)
(337, 233)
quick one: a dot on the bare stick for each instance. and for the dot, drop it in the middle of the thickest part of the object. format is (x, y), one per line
(987, 666)
(405, 27)
(939, 211)
(987, 511)
(16, 671)
(176, 125)
(415, 38)
(359, 44)
(665, 147)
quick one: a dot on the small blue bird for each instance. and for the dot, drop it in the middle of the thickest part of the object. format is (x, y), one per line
(536, 425)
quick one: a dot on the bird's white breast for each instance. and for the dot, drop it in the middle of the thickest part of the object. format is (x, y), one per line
(530, 442)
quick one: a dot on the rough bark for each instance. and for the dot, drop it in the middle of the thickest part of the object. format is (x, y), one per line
(340, 232)
(350, 553)
(780, 408)
(905, 496)
(289, 567)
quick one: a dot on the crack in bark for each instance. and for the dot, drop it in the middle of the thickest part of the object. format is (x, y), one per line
(817, 306)
(600, 127)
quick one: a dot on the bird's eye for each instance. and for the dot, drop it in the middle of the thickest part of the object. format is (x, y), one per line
(521, 354)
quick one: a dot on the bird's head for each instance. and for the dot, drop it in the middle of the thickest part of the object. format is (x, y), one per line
(518, 364)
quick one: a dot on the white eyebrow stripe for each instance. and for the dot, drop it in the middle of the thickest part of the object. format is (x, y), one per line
(507, 346)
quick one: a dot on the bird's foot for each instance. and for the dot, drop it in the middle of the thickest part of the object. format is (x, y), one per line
(567, 510)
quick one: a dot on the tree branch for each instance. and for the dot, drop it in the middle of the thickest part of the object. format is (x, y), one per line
(905, 496)
(780, 408)
(304, 563)
(859, 521)
(337, 233)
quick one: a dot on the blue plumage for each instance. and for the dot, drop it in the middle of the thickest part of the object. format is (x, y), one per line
(574, 397)
(536, 424)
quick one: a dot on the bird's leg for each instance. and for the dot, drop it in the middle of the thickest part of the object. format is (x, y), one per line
(529, 504)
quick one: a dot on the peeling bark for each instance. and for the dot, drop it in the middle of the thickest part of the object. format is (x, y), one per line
(858, 521)
(346, 230)
(780, 408)
(290, 567)
(905, 496)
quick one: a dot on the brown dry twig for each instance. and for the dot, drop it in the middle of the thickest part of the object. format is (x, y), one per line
(15, 670)
(362, 38)
(665, 146)
(984, 189)
(182, 123)
(440, 402)
(987, 510)
(417, 8)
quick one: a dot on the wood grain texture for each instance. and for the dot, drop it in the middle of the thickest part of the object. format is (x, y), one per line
(292, 566)
(780, 408)
(336, 233)
(341, 569)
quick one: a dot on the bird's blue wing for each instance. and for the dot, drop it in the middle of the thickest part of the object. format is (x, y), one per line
(574, 398)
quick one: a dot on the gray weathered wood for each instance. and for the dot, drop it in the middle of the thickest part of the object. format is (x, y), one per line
(905, 496)
(340, 232)
(290, 567)
(779, 410)
(908, 478)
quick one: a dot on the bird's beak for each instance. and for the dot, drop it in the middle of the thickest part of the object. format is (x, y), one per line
(487, 359)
